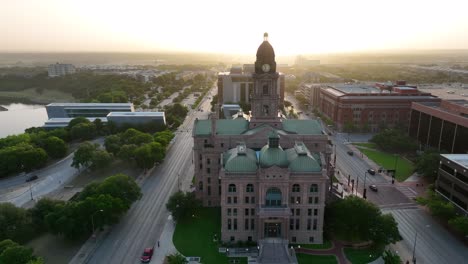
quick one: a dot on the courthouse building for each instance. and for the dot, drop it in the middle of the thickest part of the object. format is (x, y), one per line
(269, 175)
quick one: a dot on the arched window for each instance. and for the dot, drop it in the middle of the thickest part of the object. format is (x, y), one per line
(232, 188)
(296, 188)
(249, 188)
(273, 197)
(313, 188)
(200, 185)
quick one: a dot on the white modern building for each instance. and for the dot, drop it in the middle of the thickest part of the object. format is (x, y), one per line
(60, 114)
(59, 69)
(120, 118)
(71, 110)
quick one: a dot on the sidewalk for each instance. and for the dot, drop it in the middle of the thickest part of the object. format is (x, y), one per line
(166, 247)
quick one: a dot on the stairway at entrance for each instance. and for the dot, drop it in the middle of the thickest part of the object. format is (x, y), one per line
(276, 251)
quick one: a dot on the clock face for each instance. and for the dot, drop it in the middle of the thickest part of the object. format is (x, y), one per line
(266, 67)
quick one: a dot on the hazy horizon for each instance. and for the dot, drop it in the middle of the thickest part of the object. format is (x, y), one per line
(222, 27)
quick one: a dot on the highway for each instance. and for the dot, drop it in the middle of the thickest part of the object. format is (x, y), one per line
(143, 224)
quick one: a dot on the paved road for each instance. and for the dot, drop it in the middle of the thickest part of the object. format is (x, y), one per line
(434, 244)
(143, 224)
(15, 190)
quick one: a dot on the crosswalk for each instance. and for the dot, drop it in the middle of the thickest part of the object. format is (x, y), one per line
(407, 191)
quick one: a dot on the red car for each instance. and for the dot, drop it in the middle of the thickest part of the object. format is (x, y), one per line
(147, 255)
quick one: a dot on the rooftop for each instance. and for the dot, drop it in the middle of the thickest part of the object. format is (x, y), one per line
(347, 88)
(241, 126)
(93, 104)
(161, 114)
(460, 159)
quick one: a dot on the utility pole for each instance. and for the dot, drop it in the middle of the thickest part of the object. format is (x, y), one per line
(414, 247)
(364, 193)
(30, 190)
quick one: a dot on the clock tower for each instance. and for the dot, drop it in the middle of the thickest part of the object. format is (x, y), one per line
(265, 99)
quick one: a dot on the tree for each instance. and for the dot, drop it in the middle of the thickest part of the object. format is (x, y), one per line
(76, 121)
(120, 186)
(394, 140)
(15, 223)
(84, 154)
(100, 159)
(55, 147)
(98, 125)
(183, 205)
(176, 258)
(164, 137)
(83, 131)
(460, 223)
(144, 157)
(4, 244)
(364, 222)
(41, 209)
(390, 257)
(127, 152)
(16, 255)
(113, 144)
(427, 164)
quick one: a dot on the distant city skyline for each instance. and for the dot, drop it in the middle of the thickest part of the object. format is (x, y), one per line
(297, 27)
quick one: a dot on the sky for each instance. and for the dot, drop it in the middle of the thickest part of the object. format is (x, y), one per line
(234, 27)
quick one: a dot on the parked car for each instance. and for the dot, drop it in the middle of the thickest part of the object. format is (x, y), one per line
(371, 171)
(32, 178)
(373, 187)
(147, 255)
(350, 153)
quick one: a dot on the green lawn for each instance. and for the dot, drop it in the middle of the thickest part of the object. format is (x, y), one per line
(362, 256)
(326, 245)
(366, 144)
(404, 167)
(316, 259)
(195, 237)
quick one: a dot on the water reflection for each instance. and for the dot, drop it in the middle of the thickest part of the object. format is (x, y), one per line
(19, 117)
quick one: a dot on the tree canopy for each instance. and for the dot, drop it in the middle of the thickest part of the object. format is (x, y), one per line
(394, 140)
(364, 222)
(183, 205)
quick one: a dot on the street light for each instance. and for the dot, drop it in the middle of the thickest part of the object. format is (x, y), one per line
(92, 219)
(414, 245)
(364, 193)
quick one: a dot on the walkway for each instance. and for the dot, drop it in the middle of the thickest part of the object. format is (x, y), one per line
(336, 250)
(165, 246)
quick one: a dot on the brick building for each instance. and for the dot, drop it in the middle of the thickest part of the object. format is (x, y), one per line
(269, 175)
(367, 108)
(441, 125)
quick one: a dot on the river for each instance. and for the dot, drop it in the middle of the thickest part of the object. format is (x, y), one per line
(19, 117)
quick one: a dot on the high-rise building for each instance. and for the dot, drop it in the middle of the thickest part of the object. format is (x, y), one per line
(58, 69)
(452, 182)
(269, 175)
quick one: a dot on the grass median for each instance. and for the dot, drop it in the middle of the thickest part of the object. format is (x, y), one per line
(404, 167)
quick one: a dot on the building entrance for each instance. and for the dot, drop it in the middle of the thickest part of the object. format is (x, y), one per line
(272, 230)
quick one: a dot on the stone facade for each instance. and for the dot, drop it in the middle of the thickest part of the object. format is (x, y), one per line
(266, 186)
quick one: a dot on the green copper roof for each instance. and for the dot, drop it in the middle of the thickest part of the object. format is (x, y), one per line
(241, 126)
(302, 127)
(231, 126)
(240, 159)
(273, 157)
(223, 127)
(301, 160)
(202, 127)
